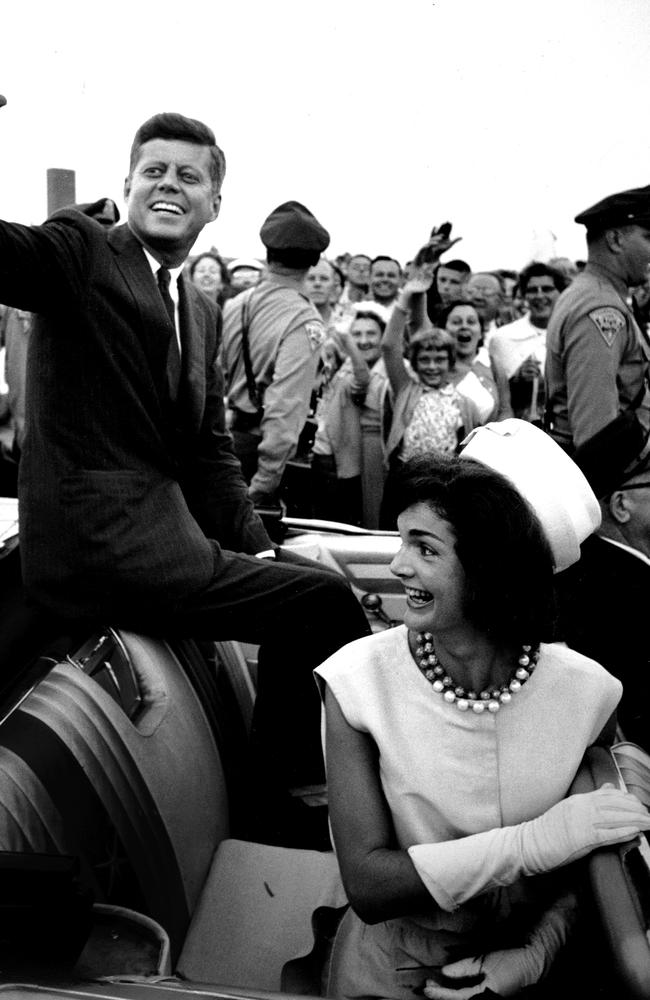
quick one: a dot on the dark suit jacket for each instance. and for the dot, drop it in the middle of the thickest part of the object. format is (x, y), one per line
(604, 601)
(120, 492)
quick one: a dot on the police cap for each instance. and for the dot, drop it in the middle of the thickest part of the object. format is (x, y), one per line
(627, 208)
(290, 227)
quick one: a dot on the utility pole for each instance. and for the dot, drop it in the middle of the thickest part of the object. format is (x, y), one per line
(60, 189)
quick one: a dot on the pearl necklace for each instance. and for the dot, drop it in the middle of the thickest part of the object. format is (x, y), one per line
(489, 700)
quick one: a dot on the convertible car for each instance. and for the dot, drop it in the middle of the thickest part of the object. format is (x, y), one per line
(122, 873)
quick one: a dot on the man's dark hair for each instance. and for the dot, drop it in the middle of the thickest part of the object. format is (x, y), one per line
(508, 564)
(381, 257)
(370, 314)
(295, 260)
(540, 270)
(455, 265)
(169, 125)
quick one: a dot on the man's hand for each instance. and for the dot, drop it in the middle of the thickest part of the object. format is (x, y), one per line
(529, 369)
(438, 243)
(344, 341)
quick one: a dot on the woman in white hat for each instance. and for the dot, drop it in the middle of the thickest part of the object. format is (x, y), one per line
(452, 740)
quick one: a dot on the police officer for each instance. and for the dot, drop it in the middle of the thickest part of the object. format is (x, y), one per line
(271, 343)
(597, 358)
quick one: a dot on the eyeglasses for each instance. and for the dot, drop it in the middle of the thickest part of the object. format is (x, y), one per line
(634, 486)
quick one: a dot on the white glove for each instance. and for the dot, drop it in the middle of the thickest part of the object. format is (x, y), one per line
(458, 870)
(578, 824)
(508, 971)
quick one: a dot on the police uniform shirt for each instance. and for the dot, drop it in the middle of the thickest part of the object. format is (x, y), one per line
(596, 358)
(285, 336)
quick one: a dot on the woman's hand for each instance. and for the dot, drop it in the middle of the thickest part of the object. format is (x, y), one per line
(509, 970)
(579, 824)
(455, 871)
(503, 972)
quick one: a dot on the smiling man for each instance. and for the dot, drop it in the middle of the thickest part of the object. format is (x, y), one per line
(385, 278)
(518, 350)
(133, 507)
(172, 192)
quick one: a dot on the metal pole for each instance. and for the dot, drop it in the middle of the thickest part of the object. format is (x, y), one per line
(60, 189)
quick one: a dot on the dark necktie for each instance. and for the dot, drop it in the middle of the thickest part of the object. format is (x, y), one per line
(174, 357)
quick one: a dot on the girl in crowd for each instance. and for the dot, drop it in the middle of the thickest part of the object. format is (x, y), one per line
(428, 412)
(452, 740)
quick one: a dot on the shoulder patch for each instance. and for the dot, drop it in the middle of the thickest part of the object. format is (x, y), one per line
(609, 321)
(316, 334)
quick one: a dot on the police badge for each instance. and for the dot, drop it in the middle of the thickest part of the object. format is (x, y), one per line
(609, 321)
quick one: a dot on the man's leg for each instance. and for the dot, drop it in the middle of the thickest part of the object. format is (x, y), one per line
(315, 627)
(299, 613)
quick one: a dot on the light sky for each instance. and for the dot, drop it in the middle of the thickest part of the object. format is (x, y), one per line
(506, 117)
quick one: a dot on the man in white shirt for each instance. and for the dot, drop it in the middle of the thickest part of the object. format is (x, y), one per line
(518, 350)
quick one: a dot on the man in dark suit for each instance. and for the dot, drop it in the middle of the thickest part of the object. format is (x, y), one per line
(133, 510)
(604, 597)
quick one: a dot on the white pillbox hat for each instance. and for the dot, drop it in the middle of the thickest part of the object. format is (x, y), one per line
(545, 476)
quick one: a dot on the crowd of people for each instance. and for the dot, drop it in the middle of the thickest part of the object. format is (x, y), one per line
(422, 353)
(401, 358)
(451, 740)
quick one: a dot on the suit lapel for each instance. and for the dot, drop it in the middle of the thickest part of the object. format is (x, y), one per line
(156, 327)
(156, 330)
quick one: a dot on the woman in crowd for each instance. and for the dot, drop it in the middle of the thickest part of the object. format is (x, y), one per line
(473, 374)
(210, 274)
(347, 451)
(452, 740)
(428, 412)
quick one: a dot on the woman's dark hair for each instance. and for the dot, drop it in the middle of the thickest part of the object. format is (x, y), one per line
(444, 312)
(539, 270)
(222, 294)
(431, 339)
(499, 541)
(225, 274)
